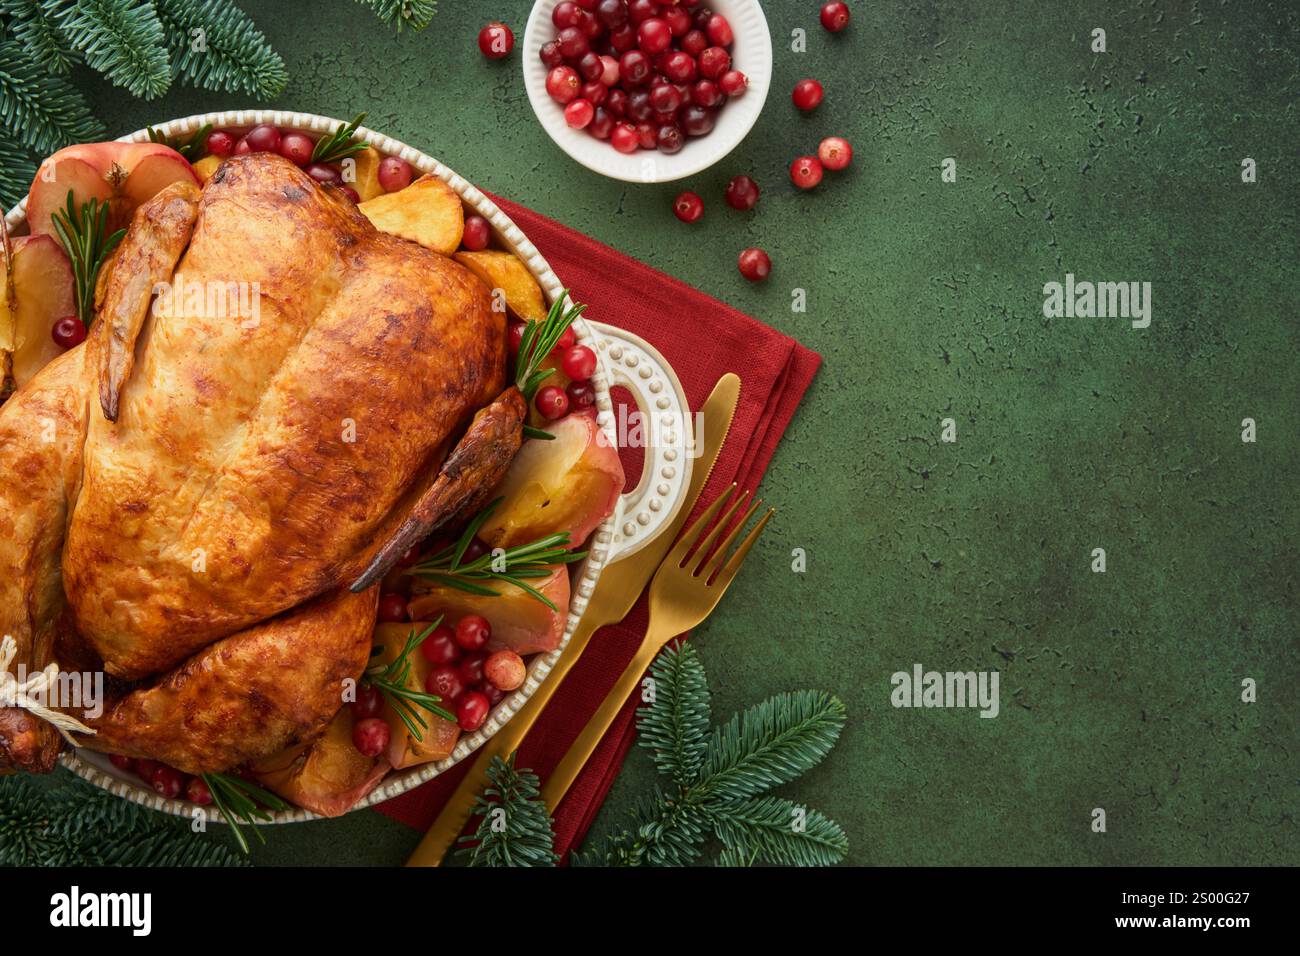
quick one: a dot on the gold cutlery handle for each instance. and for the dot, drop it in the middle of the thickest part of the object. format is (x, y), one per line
(562, 777)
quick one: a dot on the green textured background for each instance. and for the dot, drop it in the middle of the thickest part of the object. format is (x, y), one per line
(1118, 690)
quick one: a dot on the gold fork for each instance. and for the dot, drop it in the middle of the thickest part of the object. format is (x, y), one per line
(685, 590)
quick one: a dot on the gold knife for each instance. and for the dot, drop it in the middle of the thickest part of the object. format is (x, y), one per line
(618, 589)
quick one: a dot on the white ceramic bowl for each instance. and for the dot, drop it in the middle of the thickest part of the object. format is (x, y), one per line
(625, 360)
(751, 54)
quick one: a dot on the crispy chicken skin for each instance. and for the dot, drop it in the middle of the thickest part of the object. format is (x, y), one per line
(224, 483)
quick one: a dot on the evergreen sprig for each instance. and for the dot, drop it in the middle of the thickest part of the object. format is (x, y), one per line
(33, 24)
(415, 14)
(514, 829)
(41, 111)
(215, 45)
(17, 169)
(73, 824)
(123, 41)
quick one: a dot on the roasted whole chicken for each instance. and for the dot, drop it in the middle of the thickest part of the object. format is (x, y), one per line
(201, 503)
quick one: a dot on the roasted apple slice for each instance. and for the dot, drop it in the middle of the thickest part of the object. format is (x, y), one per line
(504, 271)
(42, 294)
(520, 622)
(440, 736)
(428, 212)
(571, 483)
(328, 776)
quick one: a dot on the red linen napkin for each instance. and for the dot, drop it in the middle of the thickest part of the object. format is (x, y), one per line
(702, 339)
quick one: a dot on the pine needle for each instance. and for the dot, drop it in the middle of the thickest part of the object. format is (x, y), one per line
(215, 45)
(42, 112)
(403, 13)
(17, 169)
(123, 41)
(514, 829)
(34, 26)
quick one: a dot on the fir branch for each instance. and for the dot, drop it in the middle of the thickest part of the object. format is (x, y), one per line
(665, 831)
(88, 243)
(122, 40)
(33, 25)
(17, 169)
(216, 46)
(339, 144)
(242, 803)
(769, 744)
(772, 830)
(677, 733)
(391, 680)
(514, 829)
(41, 111)
(403, 13)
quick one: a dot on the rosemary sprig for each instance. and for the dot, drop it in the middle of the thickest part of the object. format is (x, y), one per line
(88, 243)
(538, 340)
(193, 149)
(241, 802)
(390, 680)
(338, 144)
(536, 559)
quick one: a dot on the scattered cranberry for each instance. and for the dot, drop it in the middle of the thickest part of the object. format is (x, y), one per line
(515, 336)
(689, 207)
(323, 173)
(263, 139)
(551, 401)
(392, 609)
(835, 16)
(440, 647)
(477, 234)
(808, 95)
(297, 148)
(68, 331)
(579, 113)
(567, 340)
(625, 138)
(755, 265)
(505, 670)
(563, 83)
(351, 194)
(835, 153)
(806, 172)
(581, 395)
(551, 55)
(369, 702)
(472, 632)
(471, 667)
(742, 193)
(370, 736)
(733, 83)
(168, 781)
(220, 143)
(197, 792)
(472, 710)
(445, 683)
(121, 762)
(395, 173)
(579, 363)
(145, 768)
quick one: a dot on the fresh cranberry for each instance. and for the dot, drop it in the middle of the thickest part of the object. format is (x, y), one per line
(477, 233)
(695, 43)
(496, 40)
(617, 103)
(625, 140)
(590, 67)
(706, 93)
(680, 67)
(579, 362)
(563, 83)
(445, 683)
(647, 135)
(263, 139)
(370, 736)
(714, 62)
(551, 55)
(688, 207)
(698, 121)
(395, 173)
(594, 93)
(574, 43)
(144, 768)
(623, 39)
(806, 172)
(472, 710)
(121, 762)
(755, 265)
(477, 548)
(471, 667)
(168, 781)
(642, 10)
(634, 67)
(579, 113)
(589, 25)
(654, 36)
(638, 106)
(612, 13)
(835, 16)
(719, 31)
(664, 98)
(220, 143)
(701, 18)
(678, 20)
(440, 647)
(323, 173)
(369, 702)
(392, 609)
(733, 83)
(566, 14)
(601, 126)
(551, 401)
(567, 340)
(742, 193)
(493, 694)
(473, 632)
(609, 70)
(197, 792)
(581, 395)
(515, 330)
(670, 139)
(807, 95)
(68, 331)
(242, 148)
(835, 153)
(505, 670)
(351, 194)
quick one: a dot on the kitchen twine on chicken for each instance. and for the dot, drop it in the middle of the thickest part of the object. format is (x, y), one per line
(14, 694)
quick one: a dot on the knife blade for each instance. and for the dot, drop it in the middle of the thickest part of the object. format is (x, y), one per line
(618, 589)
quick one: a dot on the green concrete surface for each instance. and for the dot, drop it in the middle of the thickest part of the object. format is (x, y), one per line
(1118, 690)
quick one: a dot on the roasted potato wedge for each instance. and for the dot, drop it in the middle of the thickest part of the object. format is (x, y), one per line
(364, 176)
(428, 212)
(501, 270)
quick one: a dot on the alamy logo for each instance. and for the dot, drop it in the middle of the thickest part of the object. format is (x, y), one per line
(73, 909)
(1098, 300)
(189, 298)
(922, 688)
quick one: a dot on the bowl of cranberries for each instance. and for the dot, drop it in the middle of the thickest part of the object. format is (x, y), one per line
(647, 91)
